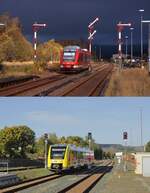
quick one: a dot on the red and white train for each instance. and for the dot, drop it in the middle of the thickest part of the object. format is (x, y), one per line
(73, 58)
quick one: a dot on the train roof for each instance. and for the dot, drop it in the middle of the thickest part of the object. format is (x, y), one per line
(72, 48)
(73, 147)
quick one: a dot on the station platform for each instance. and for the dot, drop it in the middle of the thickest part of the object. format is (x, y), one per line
(8, 179)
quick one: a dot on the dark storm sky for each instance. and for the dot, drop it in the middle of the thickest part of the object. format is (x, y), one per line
(69, 18)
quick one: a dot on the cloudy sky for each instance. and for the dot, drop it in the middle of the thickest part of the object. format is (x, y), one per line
(106, 118)
(70, 18)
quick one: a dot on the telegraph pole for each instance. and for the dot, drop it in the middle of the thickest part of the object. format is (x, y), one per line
(36, 27)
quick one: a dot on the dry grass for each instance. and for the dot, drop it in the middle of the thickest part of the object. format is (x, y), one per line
(129, 82)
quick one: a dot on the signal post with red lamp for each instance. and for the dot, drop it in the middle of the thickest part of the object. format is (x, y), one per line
(125, 138)
(36, 27)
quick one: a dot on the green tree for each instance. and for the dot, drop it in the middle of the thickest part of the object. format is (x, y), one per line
(39, 146)
(15, 141)
(148, 147)
(53, 139)
(40, 143)
(98, 152)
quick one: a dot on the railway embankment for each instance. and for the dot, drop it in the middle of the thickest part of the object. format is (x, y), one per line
(129, 82)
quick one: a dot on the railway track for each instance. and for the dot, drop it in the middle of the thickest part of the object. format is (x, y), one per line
(5, 82)
(83, 84)
(30, 183)
(15, 90)
(86, 181)
(92, 86)
(85, 184)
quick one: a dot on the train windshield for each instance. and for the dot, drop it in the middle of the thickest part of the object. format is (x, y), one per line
(58, 152)
(69, 56)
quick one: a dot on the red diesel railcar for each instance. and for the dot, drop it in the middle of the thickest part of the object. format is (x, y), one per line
(73, 58)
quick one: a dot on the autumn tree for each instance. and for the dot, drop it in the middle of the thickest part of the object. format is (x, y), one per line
(16, 141)
(14, 46)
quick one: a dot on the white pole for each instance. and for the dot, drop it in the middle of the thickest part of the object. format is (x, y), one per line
(141, 11)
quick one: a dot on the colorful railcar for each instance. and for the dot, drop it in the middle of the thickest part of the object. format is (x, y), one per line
(65, 157)
(73, 58)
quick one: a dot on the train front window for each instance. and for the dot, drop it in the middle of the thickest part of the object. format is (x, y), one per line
(58, 152)
(69, 56)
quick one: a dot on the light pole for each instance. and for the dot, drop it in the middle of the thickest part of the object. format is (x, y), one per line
(91, 33)
(131, 29)
(148, 22)
(141, 125)
(141, 12)
(126, 37)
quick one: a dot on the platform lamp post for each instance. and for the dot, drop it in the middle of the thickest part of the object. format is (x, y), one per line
(148, 22)
(46, 143)
(91, 33)
(125, 138)
(36, 27)
(131, 29)
(141, 12)
(120, 28)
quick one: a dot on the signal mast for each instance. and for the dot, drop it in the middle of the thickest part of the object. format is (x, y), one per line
(92, 32)
(120, 28)
(36, 27)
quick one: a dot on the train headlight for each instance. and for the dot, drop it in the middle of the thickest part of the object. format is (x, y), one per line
(75, 66)
(61, 66)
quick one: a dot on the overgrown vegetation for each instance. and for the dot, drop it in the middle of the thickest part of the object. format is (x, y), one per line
(129, 82)
(20, 142)
(48, 52)
(15, 47)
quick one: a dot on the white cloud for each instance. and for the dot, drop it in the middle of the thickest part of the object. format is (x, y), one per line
(50, 117)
